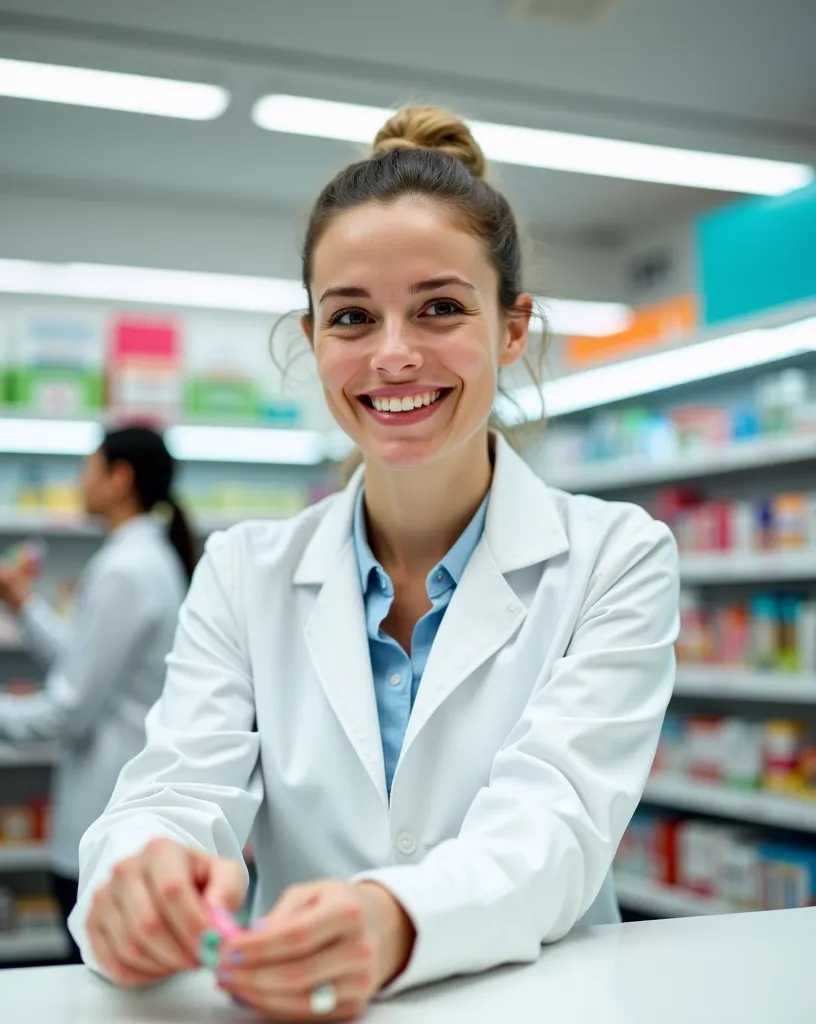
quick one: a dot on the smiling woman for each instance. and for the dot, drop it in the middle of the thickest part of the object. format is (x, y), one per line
(433, 699)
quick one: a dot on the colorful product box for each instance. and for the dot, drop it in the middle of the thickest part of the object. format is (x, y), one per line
(56, 362)
(145, 369)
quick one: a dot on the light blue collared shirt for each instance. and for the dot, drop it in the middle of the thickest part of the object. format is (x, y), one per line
(397, 674)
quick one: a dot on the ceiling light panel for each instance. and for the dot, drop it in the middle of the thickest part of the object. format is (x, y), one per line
(112, 90)
(550, 150)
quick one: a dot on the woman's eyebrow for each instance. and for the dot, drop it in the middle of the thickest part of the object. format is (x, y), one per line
(348, 291)
(439, 282)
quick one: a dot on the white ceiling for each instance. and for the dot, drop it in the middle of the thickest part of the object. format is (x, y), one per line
(727, 75)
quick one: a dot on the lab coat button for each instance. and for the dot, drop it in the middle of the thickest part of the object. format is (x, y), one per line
(406, 842)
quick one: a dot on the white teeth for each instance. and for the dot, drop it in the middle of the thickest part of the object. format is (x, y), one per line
(405, 404)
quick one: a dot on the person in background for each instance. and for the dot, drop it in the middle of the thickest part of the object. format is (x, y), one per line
(105, 668)
(434, 698)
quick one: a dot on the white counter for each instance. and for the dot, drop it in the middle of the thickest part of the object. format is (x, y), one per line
(746, 968)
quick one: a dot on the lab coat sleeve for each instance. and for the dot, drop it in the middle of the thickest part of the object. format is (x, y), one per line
(538, 840)
(197, 780)
(45, 632)
(114, 619)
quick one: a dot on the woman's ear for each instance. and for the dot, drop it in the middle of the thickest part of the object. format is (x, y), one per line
(306, 327)
(514, 340)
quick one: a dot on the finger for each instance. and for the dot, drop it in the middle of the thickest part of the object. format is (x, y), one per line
(108, 924)
(226, 885)
(126, 977)
(297, 935)
(146, 927)
(335, 963)
(170, 872)
(353, 996)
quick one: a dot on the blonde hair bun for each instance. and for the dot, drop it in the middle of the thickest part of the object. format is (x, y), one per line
(431, 128)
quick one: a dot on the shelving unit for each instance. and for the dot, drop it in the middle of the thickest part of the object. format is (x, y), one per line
(714, 567)
(33, 944)
(24, 857)
(717, 681)
(35, 523)
(617, 474)
(761, 808)
(652, 898)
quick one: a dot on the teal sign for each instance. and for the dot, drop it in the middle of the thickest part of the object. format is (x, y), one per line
(757, 255)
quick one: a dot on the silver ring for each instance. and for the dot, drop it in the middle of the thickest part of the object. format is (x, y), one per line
(323, 1000)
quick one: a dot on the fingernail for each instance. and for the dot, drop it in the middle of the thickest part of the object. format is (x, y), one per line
(240, 1003)
(235, 956)
(223, 977)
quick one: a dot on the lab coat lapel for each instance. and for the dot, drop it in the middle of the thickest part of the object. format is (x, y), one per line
(522, 529)
(336, 635)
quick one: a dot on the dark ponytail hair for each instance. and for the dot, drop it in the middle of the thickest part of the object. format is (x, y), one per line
(153, 468)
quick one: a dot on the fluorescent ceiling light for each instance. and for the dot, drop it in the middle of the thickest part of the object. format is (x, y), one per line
(238, 292)
(143, 284)
(645, 374)
(49, 437)
(573, 316)
(112, 90)
(187, 443)
(558, 151)
(247, 444)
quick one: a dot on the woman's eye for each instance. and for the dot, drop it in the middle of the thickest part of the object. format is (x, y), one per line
(350, 318)
(443, 307)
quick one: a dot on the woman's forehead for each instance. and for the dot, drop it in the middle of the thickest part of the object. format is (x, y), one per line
(410, 240)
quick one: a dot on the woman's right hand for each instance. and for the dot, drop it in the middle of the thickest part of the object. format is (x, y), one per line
(146, 923)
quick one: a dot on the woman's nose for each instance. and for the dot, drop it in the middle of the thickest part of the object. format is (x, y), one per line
(395, 352)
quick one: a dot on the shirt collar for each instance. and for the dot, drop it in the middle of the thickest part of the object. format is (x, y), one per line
(451, 566)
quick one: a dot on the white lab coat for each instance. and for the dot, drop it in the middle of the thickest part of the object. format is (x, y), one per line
(526, 752)
(105, 671)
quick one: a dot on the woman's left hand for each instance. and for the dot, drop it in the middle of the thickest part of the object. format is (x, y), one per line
(355, 938)
(15, 586)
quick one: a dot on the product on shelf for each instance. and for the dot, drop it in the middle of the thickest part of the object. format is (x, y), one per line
(56, 362)
(783, 742)
(783, 404)
(721, 862)
(17, 824)
(775, 755)
(769, 631)
(25, 823)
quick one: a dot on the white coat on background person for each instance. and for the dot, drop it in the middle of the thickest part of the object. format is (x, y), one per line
(106, 667)
(537, 715)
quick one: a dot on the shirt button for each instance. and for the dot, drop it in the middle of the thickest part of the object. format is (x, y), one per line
(383, 584)
(406, 842)
(440, 576)
(395, 679)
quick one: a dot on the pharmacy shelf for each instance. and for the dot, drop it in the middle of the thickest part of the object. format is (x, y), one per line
(639, 471)
(719, 567)
(647, 897)
(53, 524)
(27, 755)
(762, 808)
(32, 944)
(59, 525)
(743, 684)
(24, 857)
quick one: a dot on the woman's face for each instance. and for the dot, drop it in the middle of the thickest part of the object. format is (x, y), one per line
(408, 333)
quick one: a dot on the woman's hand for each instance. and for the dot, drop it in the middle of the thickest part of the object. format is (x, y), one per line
(15, 586)
(354, 937)
(147, 922)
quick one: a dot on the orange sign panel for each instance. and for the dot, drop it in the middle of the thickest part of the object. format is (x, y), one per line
(651, 327)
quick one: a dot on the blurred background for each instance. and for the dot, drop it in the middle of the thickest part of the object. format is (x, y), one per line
(157, 164)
